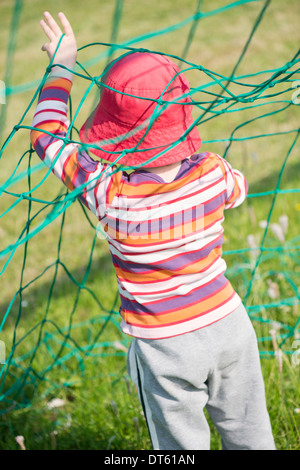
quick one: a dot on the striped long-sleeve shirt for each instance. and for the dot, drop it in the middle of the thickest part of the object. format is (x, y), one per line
(165, 239)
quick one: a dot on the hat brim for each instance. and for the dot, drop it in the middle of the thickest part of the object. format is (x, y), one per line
(151, 145)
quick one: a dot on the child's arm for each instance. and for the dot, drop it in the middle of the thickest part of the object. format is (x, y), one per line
(71, 166)
(236, 185)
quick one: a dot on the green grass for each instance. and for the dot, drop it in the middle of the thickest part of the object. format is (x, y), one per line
(71, 347)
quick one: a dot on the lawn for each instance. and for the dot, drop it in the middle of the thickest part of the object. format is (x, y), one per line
(59, 304)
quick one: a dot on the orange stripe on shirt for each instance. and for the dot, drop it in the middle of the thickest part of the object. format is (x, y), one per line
(185, 314)
(70, 169)
(157, 275)
(52, 127)
(156, 238)
(62, 83)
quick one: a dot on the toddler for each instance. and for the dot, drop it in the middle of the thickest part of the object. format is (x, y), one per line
(193, 344)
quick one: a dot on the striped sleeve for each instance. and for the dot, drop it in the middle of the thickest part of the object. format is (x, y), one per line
(73, 166)
(236, 185)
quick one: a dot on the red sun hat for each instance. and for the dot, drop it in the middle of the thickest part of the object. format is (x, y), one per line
(144, 110)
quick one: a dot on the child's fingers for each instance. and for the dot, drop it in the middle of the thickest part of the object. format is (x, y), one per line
(48, 31)
(45, 47)
(65, 24)
(67, 53)
(52, 24)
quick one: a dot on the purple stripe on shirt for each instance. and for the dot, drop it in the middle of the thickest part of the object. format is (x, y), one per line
(54, 94)
(175, 264)
(86, 162)
(178, 302)
(45, 140)
(142, 175)
(150, 229)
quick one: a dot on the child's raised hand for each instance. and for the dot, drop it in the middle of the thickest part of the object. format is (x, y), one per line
(67, 52)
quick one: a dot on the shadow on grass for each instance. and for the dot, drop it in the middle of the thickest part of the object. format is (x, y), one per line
(290, 178)
(100, 272)
(49, 348)
(98, 415)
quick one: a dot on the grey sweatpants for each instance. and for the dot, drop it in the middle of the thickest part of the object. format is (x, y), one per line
(217, 368)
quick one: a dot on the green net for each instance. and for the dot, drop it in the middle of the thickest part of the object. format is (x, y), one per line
(59, 307)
